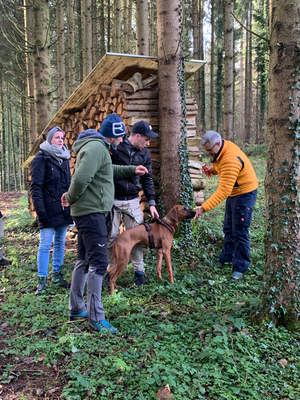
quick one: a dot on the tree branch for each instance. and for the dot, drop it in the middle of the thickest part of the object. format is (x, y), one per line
(253, 33)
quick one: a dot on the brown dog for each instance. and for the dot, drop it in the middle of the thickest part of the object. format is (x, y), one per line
(162, 237)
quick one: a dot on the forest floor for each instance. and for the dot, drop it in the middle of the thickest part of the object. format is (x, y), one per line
(198, 335)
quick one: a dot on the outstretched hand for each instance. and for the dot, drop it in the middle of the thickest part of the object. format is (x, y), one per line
(141, 170)
(199, 212)
(64, 201)
(154, 212)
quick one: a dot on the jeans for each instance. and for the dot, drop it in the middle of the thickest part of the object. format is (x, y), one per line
(238, 216)
(90, 266)
(46, 235)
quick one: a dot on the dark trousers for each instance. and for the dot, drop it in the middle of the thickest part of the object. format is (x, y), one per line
(91, 265)
(238, 216)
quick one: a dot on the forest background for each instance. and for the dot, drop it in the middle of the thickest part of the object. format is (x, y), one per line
(206, 337)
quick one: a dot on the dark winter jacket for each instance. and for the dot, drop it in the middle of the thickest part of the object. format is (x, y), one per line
(49, 180)
(92, 188)
(128, 189)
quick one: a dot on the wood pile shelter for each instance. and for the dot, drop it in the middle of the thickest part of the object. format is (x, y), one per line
(107, 89)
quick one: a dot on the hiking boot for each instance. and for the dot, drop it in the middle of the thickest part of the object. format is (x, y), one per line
(42, 285)
(5, 261)
(57, 278)
(73, 317)
(103, 326)
(237, 275)
(106, 281)
(139, 278)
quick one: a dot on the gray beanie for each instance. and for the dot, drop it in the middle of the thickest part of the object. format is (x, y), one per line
(52, 132)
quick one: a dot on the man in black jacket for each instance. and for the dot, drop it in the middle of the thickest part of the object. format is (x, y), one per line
(132, 151)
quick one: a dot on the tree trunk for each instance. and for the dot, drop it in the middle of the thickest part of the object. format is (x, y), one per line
(195, 14)
(174, 169)
(108, 27)
(282, 239)
(102, 29)
(212, 62)
(248, 76)
(152, 27)
(42, 71)
(228, 71)
(95, 36)
(3, 152)
(60, 32)
(241, 123)
(142, 35)
(87, 37)
(71, 47)
(201, 73)
(29, 39)
(117, 27)
(80, 31)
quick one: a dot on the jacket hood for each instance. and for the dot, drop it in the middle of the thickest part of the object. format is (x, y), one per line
(79, 144)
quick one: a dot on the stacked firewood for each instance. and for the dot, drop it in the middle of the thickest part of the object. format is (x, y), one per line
(134, 102)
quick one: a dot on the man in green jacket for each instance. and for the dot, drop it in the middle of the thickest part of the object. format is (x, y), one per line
(91, 196)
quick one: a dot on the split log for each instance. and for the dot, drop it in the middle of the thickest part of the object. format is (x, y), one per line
(133, 84)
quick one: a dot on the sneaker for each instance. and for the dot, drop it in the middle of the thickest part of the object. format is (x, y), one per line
(5, 261)
(73, 317)
(237, 275)
(42, 285)
(106, 281)
(103, 326)
(57, 278)
(139, 278)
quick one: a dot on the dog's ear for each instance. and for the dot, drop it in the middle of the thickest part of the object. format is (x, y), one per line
(174, 214)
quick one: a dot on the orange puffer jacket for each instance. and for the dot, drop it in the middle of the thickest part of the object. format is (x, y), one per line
(236, 175)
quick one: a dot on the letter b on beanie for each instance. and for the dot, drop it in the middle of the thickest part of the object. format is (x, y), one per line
(112, 127)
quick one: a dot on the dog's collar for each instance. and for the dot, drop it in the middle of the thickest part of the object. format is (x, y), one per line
(169, 222)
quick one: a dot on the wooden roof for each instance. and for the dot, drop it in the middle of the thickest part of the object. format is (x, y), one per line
(112, 65)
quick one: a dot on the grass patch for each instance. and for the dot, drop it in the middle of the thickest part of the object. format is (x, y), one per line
(196, 335)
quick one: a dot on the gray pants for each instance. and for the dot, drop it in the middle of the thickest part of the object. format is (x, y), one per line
(1, 235)
(82, 273)
(133, 208)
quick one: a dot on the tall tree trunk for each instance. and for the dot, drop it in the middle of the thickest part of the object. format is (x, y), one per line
(108, 27)
(102, 29)
(42, 71)
(212, 62)
(95, 36)
(71, 47)
(11, 142)
(152, 27)
(248, 77)
(281, 295)
(29, 39)
(171, 101)
(201, 104)
(125, 23)
(228, 71)
(3, 152)
(195, 15)
(79, 24)
(117, 26)
(142, 35)
(241, 123)
(87, 37)
(61, 71)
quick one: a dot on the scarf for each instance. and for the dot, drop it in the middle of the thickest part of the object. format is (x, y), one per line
(56, 152)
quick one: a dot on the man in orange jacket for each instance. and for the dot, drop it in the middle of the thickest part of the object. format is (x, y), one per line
(238, 184)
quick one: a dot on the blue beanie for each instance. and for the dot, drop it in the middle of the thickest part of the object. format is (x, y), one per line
(112, 127)
(52, 132)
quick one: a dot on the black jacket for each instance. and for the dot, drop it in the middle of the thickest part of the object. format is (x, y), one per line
(128, 189)
(49, 180)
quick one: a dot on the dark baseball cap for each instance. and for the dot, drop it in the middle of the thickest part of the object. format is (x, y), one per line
(143, 128)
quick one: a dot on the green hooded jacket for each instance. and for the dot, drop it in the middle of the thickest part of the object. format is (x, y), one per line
(92, 185)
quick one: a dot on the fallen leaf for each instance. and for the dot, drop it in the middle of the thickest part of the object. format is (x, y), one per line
(10, 378)
(202, 335)
(120, 380)
(42, 357)
(3, 290)
(28, 360)
(239, 304)
(54, 389)
(39, 392)
(164, 393)
(283, 362)
(224, 318)
(55, 367)
(4, 325)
